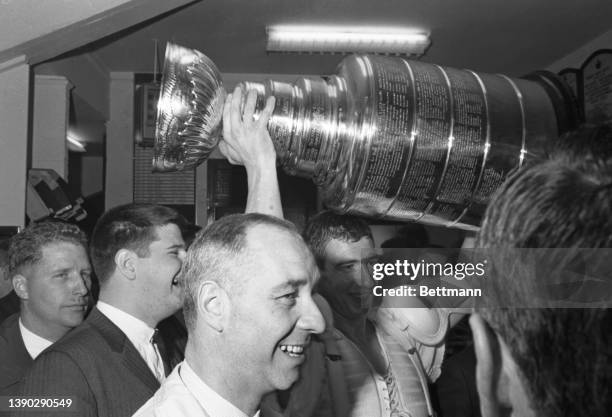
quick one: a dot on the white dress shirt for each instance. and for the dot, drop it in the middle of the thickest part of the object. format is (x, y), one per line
(140, 334)
(184, 394)
(34, 344)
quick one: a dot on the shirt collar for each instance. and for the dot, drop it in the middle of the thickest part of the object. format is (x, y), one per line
(213, 403)
(136, 330)
(34, 344)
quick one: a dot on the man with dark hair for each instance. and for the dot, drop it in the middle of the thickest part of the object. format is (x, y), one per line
(50, 273)
(112, 363)
(545, 361)
(374, 368)
(250, 315)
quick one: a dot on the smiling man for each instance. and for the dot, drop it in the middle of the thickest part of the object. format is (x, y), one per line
(50, 273)
(112, 364)
(372, 367)
(250, 315)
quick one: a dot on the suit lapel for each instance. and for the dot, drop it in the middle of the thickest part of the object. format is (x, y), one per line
(23, 357)
(119, 343)
(135, 363)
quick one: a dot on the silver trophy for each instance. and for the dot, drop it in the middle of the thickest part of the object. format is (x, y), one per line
(386, 137)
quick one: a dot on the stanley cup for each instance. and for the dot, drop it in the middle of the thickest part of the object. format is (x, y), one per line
(386, 137)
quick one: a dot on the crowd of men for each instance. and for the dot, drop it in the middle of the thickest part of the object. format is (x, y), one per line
(283, 323)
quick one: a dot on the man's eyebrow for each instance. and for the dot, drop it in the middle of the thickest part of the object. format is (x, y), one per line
(347, 262)
(66, 269)
(176, 246)
(60, 269)
(290, 284)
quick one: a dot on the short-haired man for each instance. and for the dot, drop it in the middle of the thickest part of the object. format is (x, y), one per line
(250, 315)
(546, 361)
(112, 364)
(372, 368)
(50, 273)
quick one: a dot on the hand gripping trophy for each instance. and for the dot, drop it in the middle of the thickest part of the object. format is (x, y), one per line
(386, 137)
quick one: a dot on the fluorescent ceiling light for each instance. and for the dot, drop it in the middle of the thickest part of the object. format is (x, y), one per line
(344, 39)
(77, 146)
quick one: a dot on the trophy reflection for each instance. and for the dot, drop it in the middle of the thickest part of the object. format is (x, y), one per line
(385, 137)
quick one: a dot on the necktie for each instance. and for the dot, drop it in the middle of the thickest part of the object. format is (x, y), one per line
(156, 360)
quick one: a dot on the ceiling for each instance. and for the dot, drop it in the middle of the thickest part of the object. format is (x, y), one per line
(508, 36)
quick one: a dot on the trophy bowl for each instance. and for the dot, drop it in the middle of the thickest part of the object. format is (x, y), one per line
(189, 110)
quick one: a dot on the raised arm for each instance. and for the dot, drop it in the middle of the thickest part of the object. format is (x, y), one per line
(246, 141)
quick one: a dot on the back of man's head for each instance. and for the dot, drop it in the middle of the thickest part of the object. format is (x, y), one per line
(327, 225)
(216, 252)
(25, 248)
(130, 226)
(562, 354)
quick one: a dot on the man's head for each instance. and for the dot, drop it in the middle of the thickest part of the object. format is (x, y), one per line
(341, 246)
(248, 300)
(545, 361)
(137, 251)
(51, 274)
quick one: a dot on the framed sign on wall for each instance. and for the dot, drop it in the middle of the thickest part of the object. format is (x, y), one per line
(592, 85)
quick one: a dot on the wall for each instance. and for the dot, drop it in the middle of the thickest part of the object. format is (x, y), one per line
(91, 164)
(50, 123)
(120, 141)
(90, 80)
(575, 58)
(14, 110)
(92, 175)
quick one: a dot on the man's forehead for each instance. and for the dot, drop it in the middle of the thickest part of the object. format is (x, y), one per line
(59, 247)
(278, 249)
(268, 237)
(339, 249)
(168, 234)
(59, 252)
(299, 279)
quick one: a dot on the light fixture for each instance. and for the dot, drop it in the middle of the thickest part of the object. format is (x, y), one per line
(347, 39)
(74, 144)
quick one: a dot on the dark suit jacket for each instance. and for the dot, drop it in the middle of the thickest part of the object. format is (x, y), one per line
(14, 358)
(9, 305)
(97, 367)
(456, 387)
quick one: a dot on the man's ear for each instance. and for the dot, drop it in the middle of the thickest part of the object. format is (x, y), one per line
(489, 378)
(213, 305)
(125, 263)
(501, 388)
(20, 285)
